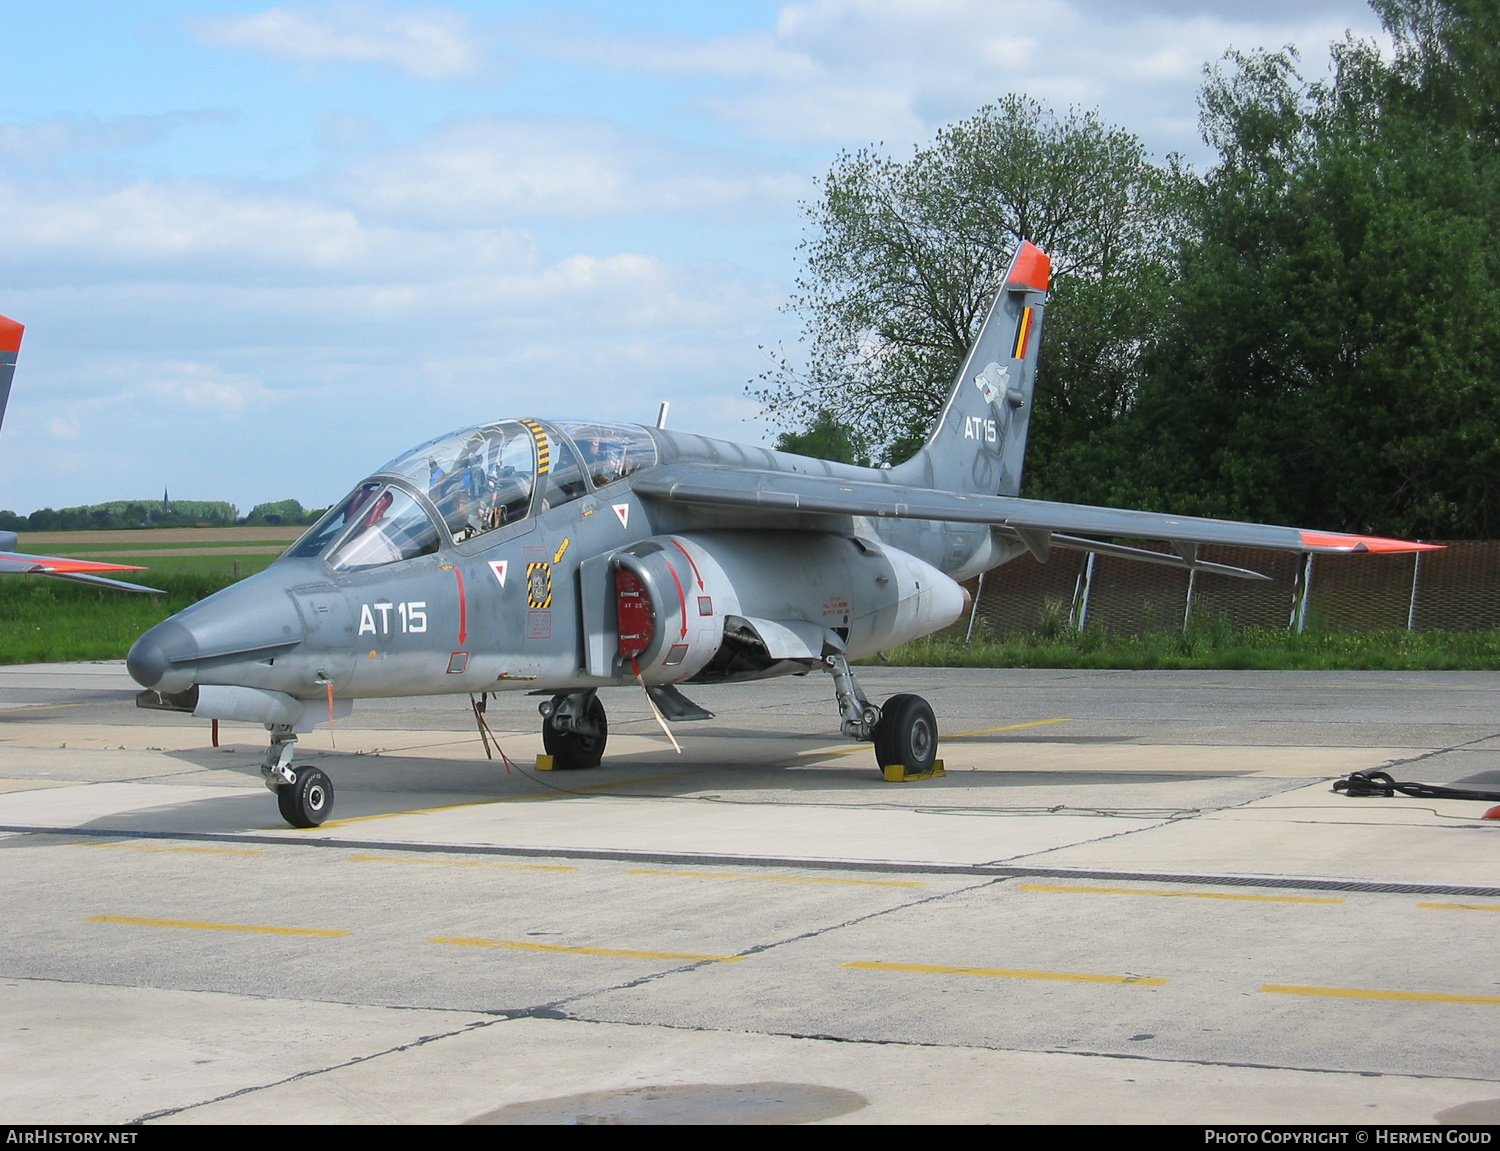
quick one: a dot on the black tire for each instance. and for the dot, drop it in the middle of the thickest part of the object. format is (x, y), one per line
(571, 751)
(906, 734)
(309, 801)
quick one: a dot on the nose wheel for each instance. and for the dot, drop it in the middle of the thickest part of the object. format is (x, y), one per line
(308, 800)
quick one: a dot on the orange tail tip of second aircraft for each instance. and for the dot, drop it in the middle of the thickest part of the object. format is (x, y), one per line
(1339, 543)
(10, 335)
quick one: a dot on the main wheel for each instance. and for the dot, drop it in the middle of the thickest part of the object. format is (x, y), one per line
(906, 734)
(570, 750)
(307, 802)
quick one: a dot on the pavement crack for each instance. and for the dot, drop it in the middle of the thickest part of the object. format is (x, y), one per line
(762, 948)
(1438, 751)
(311, 1071)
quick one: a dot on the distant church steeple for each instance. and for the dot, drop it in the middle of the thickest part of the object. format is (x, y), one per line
(166, 503)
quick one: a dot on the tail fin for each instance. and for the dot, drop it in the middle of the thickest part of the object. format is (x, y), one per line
(10, 344)
(979, 442)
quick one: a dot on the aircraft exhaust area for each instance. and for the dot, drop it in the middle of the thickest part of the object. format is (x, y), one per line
(1133, 898)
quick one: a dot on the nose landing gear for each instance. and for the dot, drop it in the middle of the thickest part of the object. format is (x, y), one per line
(304, 794)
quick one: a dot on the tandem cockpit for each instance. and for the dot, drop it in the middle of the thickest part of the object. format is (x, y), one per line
(459, 487)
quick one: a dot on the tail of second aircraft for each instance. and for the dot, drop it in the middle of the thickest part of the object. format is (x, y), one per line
(979, 442)
(10, 345)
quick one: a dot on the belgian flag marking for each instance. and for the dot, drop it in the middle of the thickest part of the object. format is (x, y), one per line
(1023, 333)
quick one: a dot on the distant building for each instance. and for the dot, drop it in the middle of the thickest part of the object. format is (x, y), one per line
(166, 503)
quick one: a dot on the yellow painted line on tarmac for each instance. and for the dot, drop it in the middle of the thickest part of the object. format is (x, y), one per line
(959, 735)
(1003, 973)
(1007, 727)
(1180, 894)
(37, 707)
(783, 878)
(459, 863)
(565, 949)
(259, 929)
(191, 850)
(558, 794)
(1462, 906)
(1360, 993)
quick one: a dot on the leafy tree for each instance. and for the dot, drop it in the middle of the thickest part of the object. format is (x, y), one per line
(1330, 351)
(277, 512)
(903, 259)
(826, 439)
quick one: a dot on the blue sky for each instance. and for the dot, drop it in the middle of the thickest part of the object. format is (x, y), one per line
(261, 249)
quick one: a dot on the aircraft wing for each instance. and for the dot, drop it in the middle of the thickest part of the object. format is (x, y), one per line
(79, 571)
(1039, 524)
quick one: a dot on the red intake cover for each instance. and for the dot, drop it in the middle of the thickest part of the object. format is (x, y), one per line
(637, 616)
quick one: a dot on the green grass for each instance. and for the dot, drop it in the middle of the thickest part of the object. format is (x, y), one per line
(45, 620)
(1217, 648)
(217, 567)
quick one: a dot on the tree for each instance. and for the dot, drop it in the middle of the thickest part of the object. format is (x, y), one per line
(903, 259)
(1329, 356)
(826, 439)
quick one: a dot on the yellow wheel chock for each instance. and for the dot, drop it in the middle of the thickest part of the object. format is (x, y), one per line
(896, 773)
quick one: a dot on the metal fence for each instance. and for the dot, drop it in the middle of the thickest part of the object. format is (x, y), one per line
(1457, 589)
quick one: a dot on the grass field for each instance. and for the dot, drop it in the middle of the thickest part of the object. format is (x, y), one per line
(46, 620)
(1218, 648)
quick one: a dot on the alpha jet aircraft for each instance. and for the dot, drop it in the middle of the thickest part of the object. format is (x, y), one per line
(561, 557)
(13, 562)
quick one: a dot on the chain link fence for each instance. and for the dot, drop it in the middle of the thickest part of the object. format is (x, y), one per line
(1457, 589)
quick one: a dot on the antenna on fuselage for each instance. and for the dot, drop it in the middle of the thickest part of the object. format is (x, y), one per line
(661, 416)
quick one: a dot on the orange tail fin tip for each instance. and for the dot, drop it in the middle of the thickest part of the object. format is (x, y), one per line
(1033, 267)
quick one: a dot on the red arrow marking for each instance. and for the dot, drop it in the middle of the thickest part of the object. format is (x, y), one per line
(696, 572)
(681, 599)
(463, 608)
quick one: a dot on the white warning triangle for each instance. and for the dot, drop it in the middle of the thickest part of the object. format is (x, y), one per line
(623, 511)
(499, 567)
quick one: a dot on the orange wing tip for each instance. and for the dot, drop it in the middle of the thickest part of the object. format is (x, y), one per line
(1346, 543)
(1032, 268)
(46, 564)
(10, 335)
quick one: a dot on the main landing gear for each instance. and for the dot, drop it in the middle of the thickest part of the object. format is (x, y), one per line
(574, 729)
(304, 793)
(904, 731)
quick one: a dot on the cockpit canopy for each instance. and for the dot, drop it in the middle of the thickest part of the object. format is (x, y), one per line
(471, 482)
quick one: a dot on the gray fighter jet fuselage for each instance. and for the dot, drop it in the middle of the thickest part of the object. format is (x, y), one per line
(562, 557)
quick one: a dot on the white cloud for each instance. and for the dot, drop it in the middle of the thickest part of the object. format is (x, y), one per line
(57, 136)
(203, 333)
(483, 169)
(205, 387)
(851, 71)
(430, 43)
(60, 230)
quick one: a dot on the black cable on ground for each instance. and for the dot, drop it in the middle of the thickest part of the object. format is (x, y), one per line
(1362, 784)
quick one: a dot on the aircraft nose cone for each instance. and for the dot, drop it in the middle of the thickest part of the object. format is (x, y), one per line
(151, 657)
